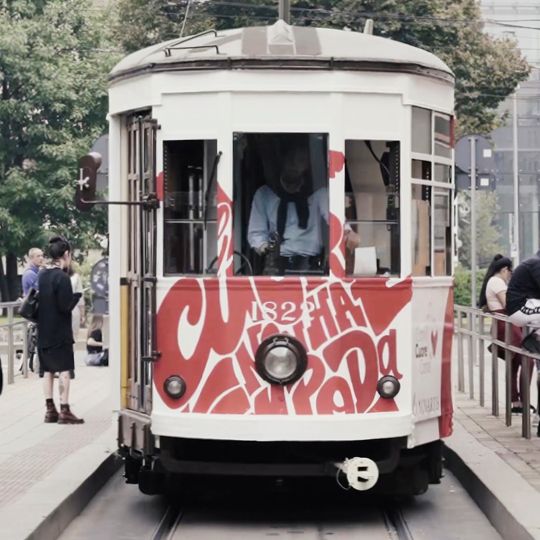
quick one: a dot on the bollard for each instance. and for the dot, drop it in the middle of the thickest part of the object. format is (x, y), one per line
(525, 391)
(11, 347)
(470, 326)
(482, 363)
(25, 350)
(461, 375)
(508, 373)
(494, 371)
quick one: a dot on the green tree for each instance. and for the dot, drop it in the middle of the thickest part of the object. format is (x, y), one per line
(54, 60)
(488, 235)
(487, 69)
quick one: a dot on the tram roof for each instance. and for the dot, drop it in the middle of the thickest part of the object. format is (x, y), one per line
(281, 46)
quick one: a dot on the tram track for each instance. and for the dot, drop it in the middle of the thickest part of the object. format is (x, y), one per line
(220, 512)
(393, 521)
(396, 523)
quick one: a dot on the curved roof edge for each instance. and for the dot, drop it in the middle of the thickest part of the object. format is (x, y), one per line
(282, 46)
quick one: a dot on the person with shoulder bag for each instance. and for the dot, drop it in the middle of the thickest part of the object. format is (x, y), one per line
(55, 336)
(493, 300)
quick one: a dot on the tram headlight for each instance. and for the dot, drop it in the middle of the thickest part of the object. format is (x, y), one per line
(175, 386)
(388, 387)
(281, 359)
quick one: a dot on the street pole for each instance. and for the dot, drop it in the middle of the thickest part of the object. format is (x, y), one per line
(515, 243)
(472, 141)
(285, 10)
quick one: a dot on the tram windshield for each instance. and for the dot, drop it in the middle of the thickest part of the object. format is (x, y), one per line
(281, 203)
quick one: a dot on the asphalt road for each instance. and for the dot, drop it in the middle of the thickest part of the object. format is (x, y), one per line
(120, 511)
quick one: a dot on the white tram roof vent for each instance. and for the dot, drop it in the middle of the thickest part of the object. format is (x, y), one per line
(282, 46)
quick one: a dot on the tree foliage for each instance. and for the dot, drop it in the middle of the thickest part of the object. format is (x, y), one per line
(487, 69)
(54, 61)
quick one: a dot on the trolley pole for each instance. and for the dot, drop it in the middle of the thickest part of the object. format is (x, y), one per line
(472, 141)
(515, 228)
(285, 10)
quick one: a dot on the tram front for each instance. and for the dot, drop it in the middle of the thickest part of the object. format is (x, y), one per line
(302, 262)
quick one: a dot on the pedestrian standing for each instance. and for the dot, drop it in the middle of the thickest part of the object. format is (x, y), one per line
(77, 315)
(55, 338)
(493, 299)
(30, 275)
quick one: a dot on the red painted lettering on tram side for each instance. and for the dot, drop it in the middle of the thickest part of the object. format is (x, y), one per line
(224, 219)
(335, 397)
(270, 400)
(322, 325)
(348, 313)
(308, 385)
(247, 366)
(382, 304)
(193, 311)
(356, 347)
(386, 349)
(348, 342)
(445, 420)
(384, 405)
(234, 402)
(336, 161)
(337, 246)
(221, 380)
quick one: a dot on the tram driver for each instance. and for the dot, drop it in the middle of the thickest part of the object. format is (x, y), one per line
(286, 220)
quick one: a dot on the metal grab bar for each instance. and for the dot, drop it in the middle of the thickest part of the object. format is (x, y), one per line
(11, 350)
(474, 332)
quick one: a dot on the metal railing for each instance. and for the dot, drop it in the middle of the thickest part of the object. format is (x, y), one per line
(479, 329)
(11, 325)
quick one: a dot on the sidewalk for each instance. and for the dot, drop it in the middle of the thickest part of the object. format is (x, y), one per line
(42, 465)
(497, 466)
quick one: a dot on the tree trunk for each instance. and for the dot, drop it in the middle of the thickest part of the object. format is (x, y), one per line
(13, 281)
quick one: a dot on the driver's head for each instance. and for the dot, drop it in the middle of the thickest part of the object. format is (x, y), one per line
(295, 167)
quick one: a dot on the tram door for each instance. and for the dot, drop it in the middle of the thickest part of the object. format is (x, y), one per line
(141, 271)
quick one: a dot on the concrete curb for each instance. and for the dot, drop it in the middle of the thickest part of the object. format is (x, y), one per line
(56, 522)
(509, 502)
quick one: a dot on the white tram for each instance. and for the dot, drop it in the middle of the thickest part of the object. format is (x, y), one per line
(228, 365)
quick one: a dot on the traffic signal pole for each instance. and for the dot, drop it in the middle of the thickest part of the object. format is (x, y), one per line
(472, 141)
(515, 243)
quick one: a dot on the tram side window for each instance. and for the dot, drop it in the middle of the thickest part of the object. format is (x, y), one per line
(442, 233)
(421, 230)
(190, 209)
(280, 204)
(372, 178)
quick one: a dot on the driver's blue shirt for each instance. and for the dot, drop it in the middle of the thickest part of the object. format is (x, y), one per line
(296, 241)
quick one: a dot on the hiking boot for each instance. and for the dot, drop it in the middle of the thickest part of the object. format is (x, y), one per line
(67, 417)
(51, 414)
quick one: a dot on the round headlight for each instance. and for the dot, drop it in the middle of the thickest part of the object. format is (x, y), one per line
(281, 359)
(175, 386)
(388, 387)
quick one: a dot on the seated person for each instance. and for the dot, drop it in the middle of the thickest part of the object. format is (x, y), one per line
(96, 355)
(285, 220)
